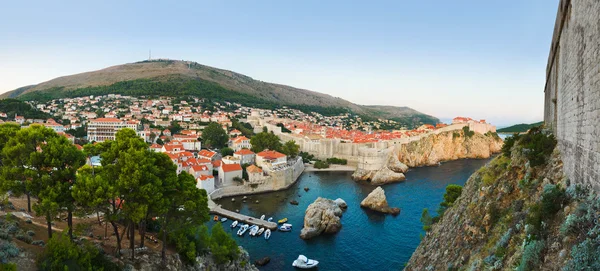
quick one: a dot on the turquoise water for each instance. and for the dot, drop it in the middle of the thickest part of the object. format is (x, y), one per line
(367, 240)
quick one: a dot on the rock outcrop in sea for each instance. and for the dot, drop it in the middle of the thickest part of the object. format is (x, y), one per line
(377, 201)
(379, 167)
(321, 216)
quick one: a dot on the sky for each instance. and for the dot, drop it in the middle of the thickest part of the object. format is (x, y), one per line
(481, 59)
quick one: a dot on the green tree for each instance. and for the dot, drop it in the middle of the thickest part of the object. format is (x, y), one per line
(222, 246)
(214, 136)
(265, 140)
(187, 208)
(226, 151)
(62, 159)
(19, 174)
(426, 219)
(290, 148)
(453, 191)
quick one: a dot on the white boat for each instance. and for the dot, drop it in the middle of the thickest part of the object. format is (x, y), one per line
(253, 230)
(285, 228)
(287, 225)
(234, 224)
(304, 263)
(270, 219)
(262, 217)
(267, 234)
(260, 231)
(242, 230)
(223, 219)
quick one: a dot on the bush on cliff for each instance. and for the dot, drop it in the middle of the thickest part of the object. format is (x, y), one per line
(426, 219)
(537, 146)
(63, 254)
(509, 142)
(468, 133)
(222, 247)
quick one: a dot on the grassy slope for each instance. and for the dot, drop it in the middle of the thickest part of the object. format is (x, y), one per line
(182, 77)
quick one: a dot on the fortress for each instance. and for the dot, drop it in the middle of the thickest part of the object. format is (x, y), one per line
(572, 90)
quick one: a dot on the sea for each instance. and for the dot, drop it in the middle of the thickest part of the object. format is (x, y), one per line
(367, 240)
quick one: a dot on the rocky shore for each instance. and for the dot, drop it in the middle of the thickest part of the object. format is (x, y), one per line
(392, 171)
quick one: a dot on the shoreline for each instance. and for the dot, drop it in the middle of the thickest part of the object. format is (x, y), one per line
(311, 168)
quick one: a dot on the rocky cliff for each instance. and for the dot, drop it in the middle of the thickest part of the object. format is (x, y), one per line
(447, 146)
(390, 170)
(519, 212)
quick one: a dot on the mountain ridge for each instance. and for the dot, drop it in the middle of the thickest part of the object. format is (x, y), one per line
(175, 77)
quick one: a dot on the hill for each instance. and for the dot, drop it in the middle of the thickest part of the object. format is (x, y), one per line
(176, 78)
(12, 107)
(519, 128)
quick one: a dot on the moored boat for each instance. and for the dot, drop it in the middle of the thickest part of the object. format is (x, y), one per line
(223, 219)
(267, 234)
(270, 219)
(242, 230)
(234, 224)
(283, 220)
(287, 225)
(216, 218)
(262, 217)
(304, 263)
(253, 230)
(285, 228)
(260, 231)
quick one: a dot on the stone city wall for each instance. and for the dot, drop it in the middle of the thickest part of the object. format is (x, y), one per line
(572, 90)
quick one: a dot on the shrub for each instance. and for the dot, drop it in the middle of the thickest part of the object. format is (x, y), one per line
(8, 250)
(61, 254)
(38, 243)
(12, 229)
(453, 191)
(531, 255)
(468, 133)
(28, 221)
(455, 135)
(539, 146)
(4, 235)
(553, 199)
(337, 161)
(25, 238)
(238, 179)
(8, 267)
(30, 233)
(584, 256)
(320, 164)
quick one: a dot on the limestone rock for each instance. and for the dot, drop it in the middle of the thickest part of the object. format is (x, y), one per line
(341, 203)
(378, 171)
(321, 216)
(377, 201)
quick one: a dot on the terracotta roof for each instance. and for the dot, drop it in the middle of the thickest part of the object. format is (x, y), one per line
(270, 154)
(206, 153)
(231, 167)
(244, 152)
(239, 139)
(216, 163)
(156, 146)
(253, 169)
(205, 177)
(199, 168)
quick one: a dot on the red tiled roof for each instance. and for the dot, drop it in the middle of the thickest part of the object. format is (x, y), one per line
(199, 168)
(244, 152)
(231, 167)
(206, 153)
(253, 169)
(205, 177)
(270, 154)
(106, 120)
(239, 139)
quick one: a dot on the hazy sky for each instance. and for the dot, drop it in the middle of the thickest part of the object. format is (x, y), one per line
(483, 59)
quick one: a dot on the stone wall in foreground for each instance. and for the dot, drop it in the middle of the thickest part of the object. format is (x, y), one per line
(572, 90)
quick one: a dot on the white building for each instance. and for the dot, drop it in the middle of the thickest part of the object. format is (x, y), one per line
(228, 172)
(231, 160)
(240, 142)
(246, 156)
(270, 158)
(103, 129)
(206, 182)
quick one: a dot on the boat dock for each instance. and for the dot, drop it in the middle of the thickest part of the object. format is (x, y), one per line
(216, 209)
